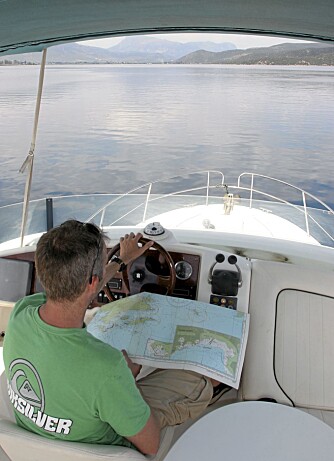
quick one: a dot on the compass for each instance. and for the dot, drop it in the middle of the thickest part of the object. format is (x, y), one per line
(154, 229)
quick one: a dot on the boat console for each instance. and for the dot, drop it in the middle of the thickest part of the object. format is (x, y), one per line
(201, 273)
(169, 267)
(187, 270)
(207, 275)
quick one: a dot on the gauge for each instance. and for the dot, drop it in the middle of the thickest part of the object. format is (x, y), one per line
(154, 228)
(183, 270)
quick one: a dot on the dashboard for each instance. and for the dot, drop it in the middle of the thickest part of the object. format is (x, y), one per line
(200, 273)
(187, 269)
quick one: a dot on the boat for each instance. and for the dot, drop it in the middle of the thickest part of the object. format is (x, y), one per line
(278, 252)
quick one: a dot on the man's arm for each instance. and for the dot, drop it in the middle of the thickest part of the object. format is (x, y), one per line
(134, 367)
(129, 251)
(148, 439)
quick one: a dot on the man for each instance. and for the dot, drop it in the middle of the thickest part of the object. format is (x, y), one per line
(66, 384)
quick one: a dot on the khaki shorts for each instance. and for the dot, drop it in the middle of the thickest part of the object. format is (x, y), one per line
(176, 395)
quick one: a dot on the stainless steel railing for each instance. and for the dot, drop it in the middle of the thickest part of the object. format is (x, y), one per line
(304, 196)
(148, 195)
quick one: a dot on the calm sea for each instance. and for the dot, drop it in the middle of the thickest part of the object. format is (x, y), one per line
(110, 128)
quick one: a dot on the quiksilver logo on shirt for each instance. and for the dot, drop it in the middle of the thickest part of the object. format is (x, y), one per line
(26, 393)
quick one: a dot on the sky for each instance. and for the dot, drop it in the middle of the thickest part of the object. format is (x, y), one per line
(240, 41)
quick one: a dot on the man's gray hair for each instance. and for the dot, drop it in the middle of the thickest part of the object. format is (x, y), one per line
(67, 257)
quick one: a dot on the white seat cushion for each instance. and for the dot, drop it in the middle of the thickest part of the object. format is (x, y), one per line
(21, 445)
(6, 408)
(290, 343)
(304, 348)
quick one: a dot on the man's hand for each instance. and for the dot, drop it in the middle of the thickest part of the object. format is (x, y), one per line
(130, 250)
(134, 367)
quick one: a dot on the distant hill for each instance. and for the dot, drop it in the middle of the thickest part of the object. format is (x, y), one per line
(64, 54)
(163, 50)
(136, 49)
(143, 49)
(316, 54)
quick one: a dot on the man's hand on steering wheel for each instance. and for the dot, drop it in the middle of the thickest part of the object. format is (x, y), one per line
(131, 254)
(129, 249)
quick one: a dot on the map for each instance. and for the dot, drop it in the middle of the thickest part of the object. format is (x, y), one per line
(166, 332)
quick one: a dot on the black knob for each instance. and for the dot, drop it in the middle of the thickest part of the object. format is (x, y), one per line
(232, 259)
(220, 258)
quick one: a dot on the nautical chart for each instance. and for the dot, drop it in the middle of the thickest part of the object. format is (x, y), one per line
(166, 332)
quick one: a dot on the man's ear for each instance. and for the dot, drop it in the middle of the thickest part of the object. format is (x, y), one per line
(93, 287)
(95, 283)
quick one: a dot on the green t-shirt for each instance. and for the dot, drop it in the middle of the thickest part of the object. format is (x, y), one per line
(66, 384)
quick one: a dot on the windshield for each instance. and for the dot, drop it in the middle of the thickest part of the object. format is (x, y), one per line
(110, 128)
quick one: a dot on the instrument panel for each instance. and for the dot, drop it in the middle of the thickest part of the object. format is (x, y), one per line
(186, 266)
(202, 274)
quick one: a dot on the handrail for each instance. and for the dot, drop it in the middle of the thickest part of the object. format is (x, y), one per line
(171, 194)
(149, 185)
(147, 200)
(305, 213)
(125, 214)
(142, 199)
(320, 227)
(304, 194)
(119, 197)
(287, 184)
(207, 189)
(54, 197)
(296, 207)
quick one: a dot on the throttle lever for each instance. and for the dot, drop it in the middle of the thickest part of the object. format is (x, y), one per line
(220, 258)
(232, 259)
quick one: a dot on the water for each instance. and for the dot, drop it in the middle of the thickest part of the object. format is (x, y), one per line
(110, 128)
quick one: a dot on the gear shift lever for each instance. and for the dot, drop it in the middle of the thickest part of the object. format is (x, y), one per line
(233, 260)
(220, 258)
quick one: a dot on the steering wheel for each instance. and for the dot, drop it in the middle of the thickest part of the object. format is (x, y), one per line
(138, 273)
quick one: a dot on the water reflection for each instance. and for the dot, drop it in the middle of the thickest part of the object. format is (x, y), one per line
(111, 128)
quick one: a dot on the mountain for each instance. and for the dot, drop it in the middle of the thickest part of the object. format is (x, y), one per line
(136, 49)
(316, 54)
(143, 49)
(65, 54)
(165, 50)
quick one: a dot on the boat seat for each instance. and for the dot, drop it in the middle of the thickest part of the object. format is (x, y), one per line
(15, 279)
(5, 311)
(6, 410)
(15, 283)
(21, 445)
(290, 345)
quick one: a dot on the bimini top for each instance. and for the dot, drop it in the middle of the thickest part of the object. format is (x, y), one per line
(31, 25)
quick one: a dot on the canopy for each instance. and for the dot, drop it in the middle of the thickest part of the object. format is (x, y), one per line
(31, 25)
